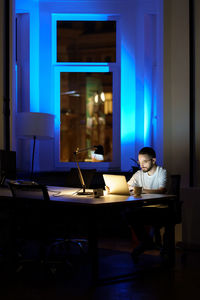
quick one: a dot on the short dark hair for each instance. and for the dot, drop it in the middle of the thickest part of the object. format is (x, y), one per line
(149, 151)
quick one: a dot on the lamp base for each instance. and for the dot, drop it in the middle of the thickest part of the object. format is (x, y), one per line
(84, 193)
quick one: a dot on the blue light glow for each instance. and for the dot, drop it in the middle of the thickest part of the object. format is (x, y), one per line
(34, 62)
(147, 112)
(81, 17)
(134, 86)
(82, 64)
(16, 84)
(128, 102)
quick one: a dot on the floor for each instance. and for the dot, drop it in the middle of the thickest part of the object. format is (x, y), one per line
(149, 279)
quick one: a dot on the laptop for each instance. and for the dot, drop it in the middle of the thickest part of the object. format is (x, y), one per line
(117, 184)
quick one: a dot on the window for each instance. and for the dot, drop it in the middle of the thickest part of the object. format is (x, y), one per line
(86, 41)
(85, 62)
(86, 113)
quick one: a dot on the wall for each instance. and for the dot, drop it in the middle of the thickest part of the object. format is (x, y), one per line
(176, 110)
(27, 73)
(191, 220)
(9, 70)
(1, 73)
(191, 196)
(176, 88)
(31, 8)
(176, 92)
(197, 91)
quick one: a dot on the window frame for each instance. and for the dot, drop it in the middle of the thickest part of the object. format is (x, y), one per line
(59, 67)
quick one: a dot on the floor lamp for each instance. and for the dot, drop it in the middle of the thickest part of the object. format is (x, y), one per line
(98, 151)
(32, 125)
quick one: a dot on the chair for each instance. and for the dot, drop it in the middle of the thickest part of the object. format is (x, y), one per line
(34, 220)
(174, 189)
(158, 216)
(29, 210)
(161, 214)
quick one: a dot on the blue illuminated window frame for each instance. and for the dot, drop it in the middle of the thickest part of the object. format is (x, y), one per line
(59, 67)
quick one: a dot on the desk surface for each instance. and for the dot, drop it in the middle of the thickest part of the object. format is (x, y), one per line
(68, 195)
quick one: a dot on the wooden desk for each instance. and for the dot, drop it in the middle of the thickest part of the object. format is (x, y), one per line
(66, 198)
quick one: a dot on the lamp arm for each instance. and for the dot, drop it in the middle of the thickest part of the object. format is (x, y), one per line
(84, 149)
(80, 173)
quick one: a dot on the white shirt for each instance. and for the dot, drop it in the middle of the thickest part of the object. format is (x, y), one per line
(152, 182)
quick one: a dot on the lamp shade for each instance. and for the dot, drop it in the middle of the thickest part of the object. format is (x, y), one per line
(99, 150)
(32, 124)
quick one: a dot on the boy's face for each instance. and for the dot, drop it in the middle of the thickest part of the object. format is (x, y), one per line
(146, 162)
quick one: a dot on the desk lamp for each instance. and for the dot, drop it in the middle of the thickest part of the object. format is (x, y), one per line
(99, 151)
(32, 125)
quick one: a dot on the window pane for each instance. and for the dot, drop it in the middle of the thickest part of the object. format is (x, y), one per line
(86, 41)
(86, 114)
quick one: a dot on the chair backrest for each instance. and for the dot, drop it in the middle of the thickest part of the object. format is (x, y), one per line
(29, 208)
(174, 185)
(28, 190)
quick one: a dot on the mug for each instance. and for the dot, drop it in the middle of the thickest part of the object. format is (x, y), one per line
(137, 191)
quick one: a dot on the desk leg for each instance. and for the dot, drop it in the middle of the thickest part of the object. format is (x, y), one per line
(93, 245)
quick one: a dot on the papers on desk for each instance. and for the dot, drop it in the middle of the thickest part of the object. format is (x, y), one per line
(62, 191)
